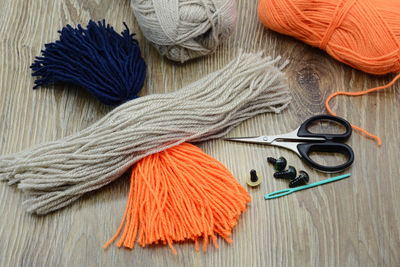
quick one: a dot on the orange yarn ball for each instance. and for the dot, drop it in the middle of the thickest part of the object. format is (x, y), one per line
(364, 34)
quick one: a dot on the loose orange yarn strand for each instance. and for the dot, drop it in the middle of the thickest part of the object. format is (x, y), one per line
(180, 194)
(363, 34)
(378, 140)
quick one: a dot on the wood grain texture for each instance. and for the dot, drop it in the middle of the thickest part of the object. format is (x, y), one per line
(355, 222)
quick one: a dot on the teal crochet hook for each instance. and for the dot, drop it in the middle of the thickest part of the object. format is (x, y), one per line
(288, 191)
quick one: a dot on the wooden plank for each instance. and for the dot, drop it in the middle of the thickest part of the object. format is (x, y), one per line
(349, 223)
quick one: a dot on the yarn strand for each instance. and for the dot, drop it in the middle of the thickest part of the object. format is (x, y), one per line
(361, 93)
(107, 64)
(55, 174)
(180, 194)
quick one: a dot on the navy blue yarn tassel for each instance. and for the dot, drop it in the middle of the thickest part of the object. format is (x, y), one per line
(105, 63)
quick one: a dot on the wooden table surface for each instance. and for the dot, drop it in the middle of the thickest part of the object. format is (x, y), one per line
(355, 222)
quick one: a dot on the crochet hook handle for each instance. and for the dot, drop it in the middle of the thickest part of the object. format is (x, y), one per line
(288, 191)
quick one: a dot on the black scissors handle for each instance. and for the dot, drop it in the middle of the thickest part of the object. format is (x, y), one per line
(303, 131)
(330, 147)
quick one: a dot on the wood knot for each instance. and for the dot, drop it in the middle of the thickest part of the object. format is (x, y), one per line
(308, 79)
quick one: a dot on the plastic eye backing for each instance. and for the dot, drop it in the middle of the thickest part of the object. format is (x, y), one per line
(253, 179)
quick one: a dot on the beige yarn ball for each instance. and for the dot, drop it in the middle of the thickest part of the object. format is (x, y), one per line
(185, 29)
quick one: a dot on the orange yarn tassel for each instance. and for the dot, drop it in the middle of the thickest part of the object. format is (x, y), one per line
(180, 194)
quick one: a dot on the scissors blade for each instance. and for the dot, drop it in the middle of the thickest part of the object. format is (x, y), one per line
(264, 140)
(267, 140)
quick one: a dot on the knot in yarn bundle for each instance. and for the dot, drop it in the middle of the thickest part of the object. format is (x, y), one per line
(107, 64)
(183, 30)
(363, 34)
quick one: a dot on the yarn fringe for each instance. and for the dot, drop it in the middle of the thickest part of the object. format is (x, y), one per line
(55, 174)
(180, 194)
(106, 64)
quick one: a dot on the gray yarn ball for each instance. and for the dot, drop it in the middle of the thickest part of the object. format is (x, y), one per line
(184, 29)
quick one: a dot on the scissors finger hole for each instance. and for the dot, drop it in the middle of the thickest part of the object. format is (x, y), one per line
(324, 126)
(329, 159)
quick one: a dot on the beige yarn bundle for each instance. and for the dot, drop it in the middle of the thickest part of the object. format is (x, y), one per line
(54, 174)
(181, 29)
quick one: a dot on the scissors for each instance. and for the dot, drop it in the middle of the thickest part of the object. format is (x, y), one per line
(303, 142)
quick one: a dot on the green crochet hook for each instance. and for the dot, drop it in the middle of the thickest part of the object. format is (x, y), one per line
(288, 191)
